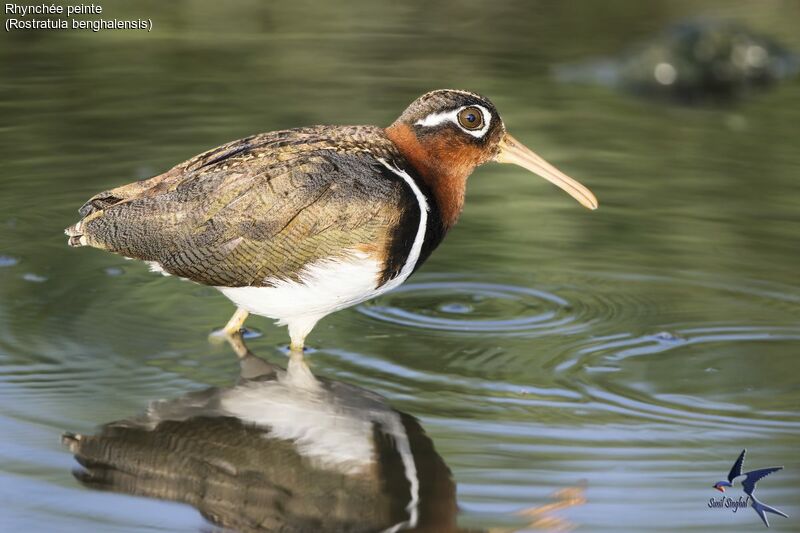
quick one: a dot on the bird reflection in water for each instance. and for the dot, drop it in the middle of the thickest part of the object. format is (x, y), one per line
(281, 450)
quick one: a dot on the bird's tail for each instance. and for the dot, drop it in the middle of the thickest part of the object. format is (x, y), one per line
(78, 233)
(762, 508)
(75, 234)
(82, 232)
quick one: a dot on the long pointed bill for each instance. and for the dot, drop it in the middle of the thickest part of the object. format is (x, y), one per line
(513, 151)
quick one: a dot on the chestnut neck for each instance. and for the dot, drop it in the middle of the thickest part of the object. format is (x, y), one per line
(442, 164)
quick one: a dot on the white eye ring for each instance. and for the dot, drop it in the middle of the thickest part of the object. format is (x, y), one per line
(435, 119)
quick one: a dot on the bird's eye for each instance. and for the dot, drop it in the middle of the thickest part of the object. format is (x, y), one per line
(470, 118)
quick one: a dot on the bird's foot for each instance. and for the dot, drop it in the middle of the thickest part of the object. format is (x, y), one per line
(220, 336)
(287, 349)
(235, 326)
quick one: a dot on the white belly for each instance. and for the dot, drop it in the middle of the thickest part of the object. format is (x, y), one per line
(324, 287)
(330, 284)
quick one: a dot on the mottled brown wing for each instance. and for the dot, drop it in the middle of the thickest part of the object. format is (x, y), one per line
(257, 209)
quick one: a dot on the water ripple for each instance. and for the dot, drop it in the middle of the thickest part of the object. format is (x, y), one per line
(469, 306)
(600, 344)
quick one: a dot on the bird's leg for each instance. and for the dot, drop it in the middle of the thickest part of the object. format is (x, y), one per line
(233, 326)
(299, 328)
(236, 322)
(239, 347)
(297, 371)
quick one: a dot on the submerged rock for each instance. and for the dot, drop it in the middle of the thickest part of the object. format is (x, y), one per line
(693, 62)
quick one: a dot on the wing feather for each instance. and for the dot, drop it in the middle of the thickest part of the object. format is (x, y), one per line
(256, 209)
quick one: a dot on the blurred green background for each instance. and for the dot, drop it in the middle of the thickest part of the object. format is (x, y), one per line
(637, 348)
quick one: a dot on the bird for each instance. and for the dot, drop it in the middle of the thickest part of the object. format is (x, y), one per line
(276, 453)
(749, 486)
(296, 224)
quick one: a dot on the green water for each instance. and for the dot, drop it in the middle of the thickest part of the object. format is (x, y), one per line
(634, 350)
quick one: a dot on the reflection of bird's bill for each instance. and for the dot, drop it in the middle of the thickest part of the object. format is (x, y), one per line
(336, 454)
(542, 517)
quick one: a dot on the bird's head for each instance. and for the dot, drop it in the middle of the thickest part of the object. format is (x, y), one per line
(720, 485)
(447, 133)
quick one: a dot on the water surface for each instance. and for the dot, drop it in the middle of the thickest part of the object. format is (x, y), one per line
(630, 352)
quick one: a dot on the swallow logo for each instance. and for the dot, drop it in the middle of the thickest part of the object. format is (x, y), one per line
(748, 482)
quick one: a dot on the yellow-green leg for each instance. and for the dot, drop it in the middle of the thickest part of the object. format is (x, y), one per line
(232, 328)
(299, 328)
(236, 322)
